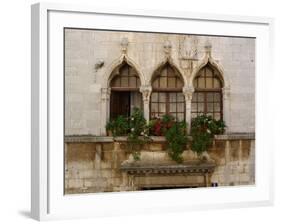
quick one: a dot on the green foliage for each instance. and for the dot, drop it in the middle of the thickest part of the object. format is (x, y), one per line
(174, 132)
(138, 132)
(118, 127)
(203, 129)
(177, 140)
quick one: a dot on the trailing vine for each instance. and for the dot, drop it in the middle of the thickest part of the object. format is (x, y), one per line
(138, 135)
(175, 134)
(177, 140)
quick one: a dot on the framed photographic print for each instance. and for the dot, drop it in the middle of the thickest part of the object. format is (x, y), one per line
(134, 110)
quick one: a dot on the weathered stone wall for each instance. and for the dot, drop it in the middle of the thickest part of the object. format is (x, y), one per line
(95, 166)
(84, 81)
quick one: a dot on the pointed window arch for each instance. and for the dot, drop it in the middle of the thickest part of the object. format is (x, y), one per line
(167, 96)
(125, 77)
(207, 97)
(125, 94)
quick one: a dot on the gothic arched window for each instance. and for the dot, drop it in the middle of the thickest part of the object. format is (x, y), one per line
(207, 97)
(167, 96)
(125, 93)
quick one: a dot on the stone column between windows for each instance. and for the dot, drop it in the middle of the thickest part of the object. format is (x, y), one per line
(105, 101)
(187, 92)
(146, 92)
(226, 107)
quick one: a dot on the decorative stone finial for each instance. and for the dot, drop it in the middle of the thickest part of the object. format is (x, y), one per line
(124, 45)
(167, 47)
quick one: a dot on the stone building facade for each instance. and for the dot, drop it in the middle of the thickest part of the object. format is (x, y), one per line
(93, 60)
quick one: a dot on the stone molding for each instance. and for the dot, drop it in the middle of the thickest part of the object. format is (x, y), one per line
(105, 94)
(159, 139)
(164, 169)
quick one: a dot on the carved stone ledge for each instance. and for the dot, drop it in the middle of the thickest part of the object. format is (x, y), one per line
(139, 168)
(87, 138)
(236, 136)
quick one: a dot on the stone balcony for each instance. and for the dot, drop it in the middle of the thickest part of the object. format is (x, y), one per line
(102, 163)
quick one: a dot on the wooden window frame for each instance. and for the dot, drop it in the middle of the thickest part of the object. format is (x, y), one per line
(167, 72)
(202, 75)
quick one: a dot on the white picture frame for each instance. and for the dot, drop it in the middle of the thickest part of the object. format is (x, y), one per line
(48, 201)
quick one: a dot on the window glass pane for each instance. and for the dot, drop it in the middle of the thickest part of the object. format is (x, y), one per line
(217, 97)
(136, 100)
(180, 107)
(115, 82)
(209, 83)
(201, 83)
(179, 83)
(193, 115)
(194, 97)
(133, 81)
(210, 97)
(210, 107)
(124, 70)
(170, 71)
(180, 116)
(173, 97)
(217, 83)
(164, 72)
(217, 107)
(154, 97)
(162, 107)
(209, 72)
(163, 82)
(180, 97)
(155, 83)
(193, 106)
(124, 81)
(154, 107)
(200, 97)
(138, 82)
(210, 114)
(172, 82)
(200, 107)
(162, 97)
(173, 107)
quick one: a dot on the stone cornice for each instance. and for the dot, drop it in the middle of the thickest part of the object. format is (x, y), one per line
(139, 168)
(91, 138)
